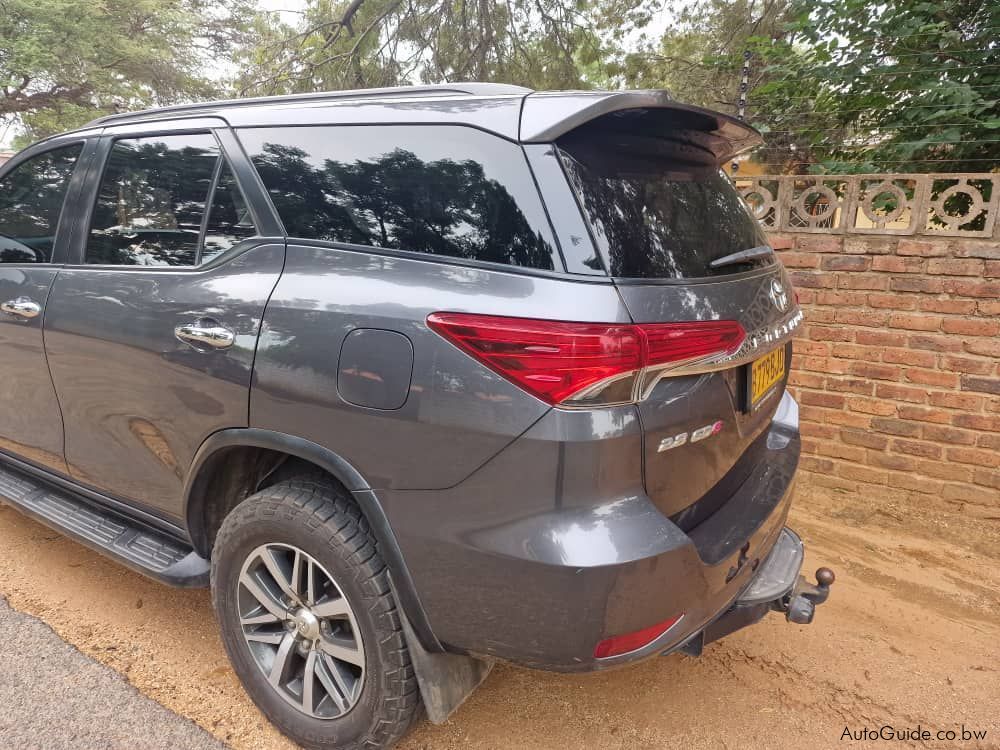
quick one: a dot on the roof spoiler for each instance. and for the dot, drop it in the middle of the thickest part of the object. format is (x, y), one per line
(548, 116)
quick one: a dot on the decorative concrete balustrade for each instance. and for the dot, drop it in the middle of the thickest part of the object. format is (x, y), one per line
(950, 205)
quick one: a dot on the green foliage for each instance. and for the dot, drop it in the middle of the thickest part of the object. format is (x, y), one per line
(843, 85)
(63, 62)
(361, 43)
(836, 85)
(907, 86)
(700, 55)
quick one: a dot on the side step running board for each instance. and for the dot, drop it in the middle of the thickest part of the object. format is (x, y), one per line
(138, 547)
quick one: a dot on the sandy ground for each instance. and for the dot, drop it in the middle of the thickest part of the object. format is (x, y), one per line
(910, 636)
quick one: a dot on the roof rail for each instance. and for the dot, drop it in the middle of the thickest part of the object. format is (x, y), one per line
(456, 89)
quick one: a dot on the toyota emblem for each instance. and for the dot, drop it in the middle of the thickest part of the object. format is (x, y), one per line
(778, 295)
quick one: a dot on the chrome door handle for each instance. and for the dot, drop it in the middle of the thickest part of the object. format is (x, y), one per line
(22, 307)
(206, 333)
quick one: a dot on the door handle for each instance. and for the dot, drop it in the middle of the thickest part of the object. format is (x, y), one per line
(206, 333)
(22, 307)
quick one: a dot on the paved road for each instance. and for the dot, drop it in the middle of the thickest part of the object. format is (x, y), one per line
(53, 697)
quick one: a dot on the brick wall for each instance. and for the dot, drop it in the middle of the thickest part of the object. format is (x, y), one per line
(897, 366)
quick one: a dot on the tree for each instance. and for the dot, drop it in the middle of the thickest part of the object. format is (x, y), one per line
(63, 62)
(701, 55)
(540, 43)
(904, 86)
(842, 85)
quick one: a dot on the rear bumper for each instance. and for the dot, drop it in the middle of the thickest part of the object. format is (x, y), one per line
(778, 586)
(770, 590)
(774, 559)
(504, 572)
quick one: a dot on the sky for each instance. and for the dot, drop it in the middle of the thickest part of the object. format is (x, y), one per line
(289, 6)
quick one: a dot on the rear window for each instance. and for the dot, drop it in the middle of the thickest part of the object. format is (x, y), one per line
(449, 191)
(657, 214)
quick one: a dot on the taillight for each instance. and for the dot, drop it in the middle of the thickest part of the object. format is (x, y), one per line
(582, 364)
(668, 343)
(617, 645)
(550, 359)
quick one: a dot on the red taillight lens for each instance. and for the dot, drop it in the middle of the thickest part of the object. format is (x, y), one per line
(550, 359)
(623, 644)
(557, 361)
(677, 342)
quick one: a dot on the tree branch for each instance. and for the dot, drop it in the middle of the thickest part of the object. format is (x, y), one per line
(20, 103)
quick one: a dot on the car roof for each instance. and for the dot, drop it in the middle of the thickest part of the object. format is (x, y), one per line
(513, 112)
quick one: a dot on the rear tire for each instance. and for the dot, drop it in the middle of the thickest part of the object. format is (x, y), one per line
(296, 575)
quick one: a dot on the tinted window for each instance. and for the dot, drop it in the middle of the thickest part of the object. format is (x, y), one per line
(228, 219)
(152, 200)
(449, 191)
(655, 215)
(31, 198)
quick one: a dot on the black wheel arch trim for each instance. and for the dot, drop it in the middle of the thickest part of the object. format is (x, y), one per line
(346, 474)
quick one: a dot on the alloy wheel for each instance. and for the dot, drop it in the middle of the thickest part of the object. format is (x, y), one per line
(301, 630)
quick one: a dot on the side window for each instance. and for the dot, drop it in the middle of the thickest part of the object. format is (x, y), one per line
(31, 199)
(451, 190)
(228, 218)
(151, 201)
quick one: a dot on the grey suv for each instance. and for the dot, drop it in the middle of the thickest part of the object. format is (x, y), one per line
(417, 379)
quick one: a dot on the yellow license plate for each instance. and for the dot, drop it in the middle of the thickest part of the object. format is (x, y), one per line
(765, 373)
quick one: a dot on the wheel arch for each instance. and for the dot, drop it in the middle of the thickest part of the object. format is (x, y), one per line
(219, 451)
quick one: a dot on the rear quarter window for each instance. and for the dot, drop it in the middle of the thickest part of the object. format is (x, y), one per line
(656, 214)
(448, 191)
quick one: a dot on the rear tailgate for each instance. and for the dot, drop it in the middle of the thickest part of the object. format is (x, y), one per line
(696, 474)
(682, 247)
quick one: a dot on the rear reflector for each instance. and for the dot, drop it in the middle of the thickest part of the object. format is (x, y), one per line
(617, 645)
(585, 363)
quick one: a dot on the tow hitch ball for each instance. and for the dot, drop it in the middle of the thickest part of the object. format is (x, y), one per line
(799, 605)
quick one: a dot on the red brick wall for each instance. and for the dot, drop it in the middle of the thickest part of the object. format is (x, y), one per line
(897, 366)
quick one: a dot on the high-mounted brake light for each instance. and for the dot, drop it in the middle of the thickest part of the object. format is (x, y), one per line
(582, 363)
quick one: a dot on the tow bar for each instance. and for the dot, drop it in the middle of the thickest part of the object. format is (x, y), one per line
(799, 605)
(777, 586)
